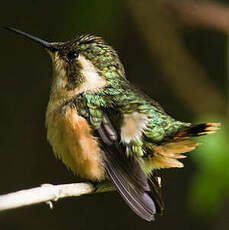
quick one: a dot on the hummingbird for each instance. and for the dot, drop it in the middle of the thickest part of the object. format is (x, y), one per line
(104, 128)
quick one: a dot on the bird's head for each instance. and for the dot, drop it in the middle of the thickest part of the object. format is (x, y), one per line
(84, 64)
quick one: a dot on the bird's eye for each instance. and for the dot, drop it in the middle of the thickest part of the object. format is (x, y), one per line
(72, 55)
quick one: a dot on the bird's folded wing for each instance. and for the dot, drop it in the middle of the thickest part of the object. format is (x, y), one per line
(125, 173)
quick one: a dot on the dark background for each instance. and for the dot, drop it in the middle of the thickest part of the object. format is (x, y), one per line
(26, 159)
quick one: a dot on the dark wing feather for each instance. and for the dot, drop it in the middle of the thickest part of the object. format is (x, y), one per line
(155, 193)
(125, 173)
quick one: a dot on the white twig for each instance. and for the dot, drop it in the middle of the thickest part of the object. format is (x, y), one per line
(48, 193)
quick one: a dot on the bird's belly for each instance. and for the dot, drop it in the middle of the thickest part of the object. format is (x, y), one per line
(72, 141)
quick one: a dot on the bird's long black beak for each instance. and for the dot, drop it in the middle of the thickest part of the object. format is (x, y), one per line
(43, 43)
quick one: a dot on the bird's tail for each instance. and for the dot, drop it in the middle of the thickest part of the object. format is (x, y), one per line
(196, 130)
(166, 154)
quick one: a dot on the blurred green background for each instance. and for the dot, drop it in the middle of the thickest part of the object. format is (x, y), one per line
(178, 61)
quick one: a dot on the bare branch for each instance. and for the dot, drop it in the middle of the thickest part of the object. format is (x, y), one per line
(48, 193)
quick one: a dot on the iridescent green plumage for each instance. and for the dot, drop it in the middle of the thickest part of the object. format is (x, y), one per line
(126, 100)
